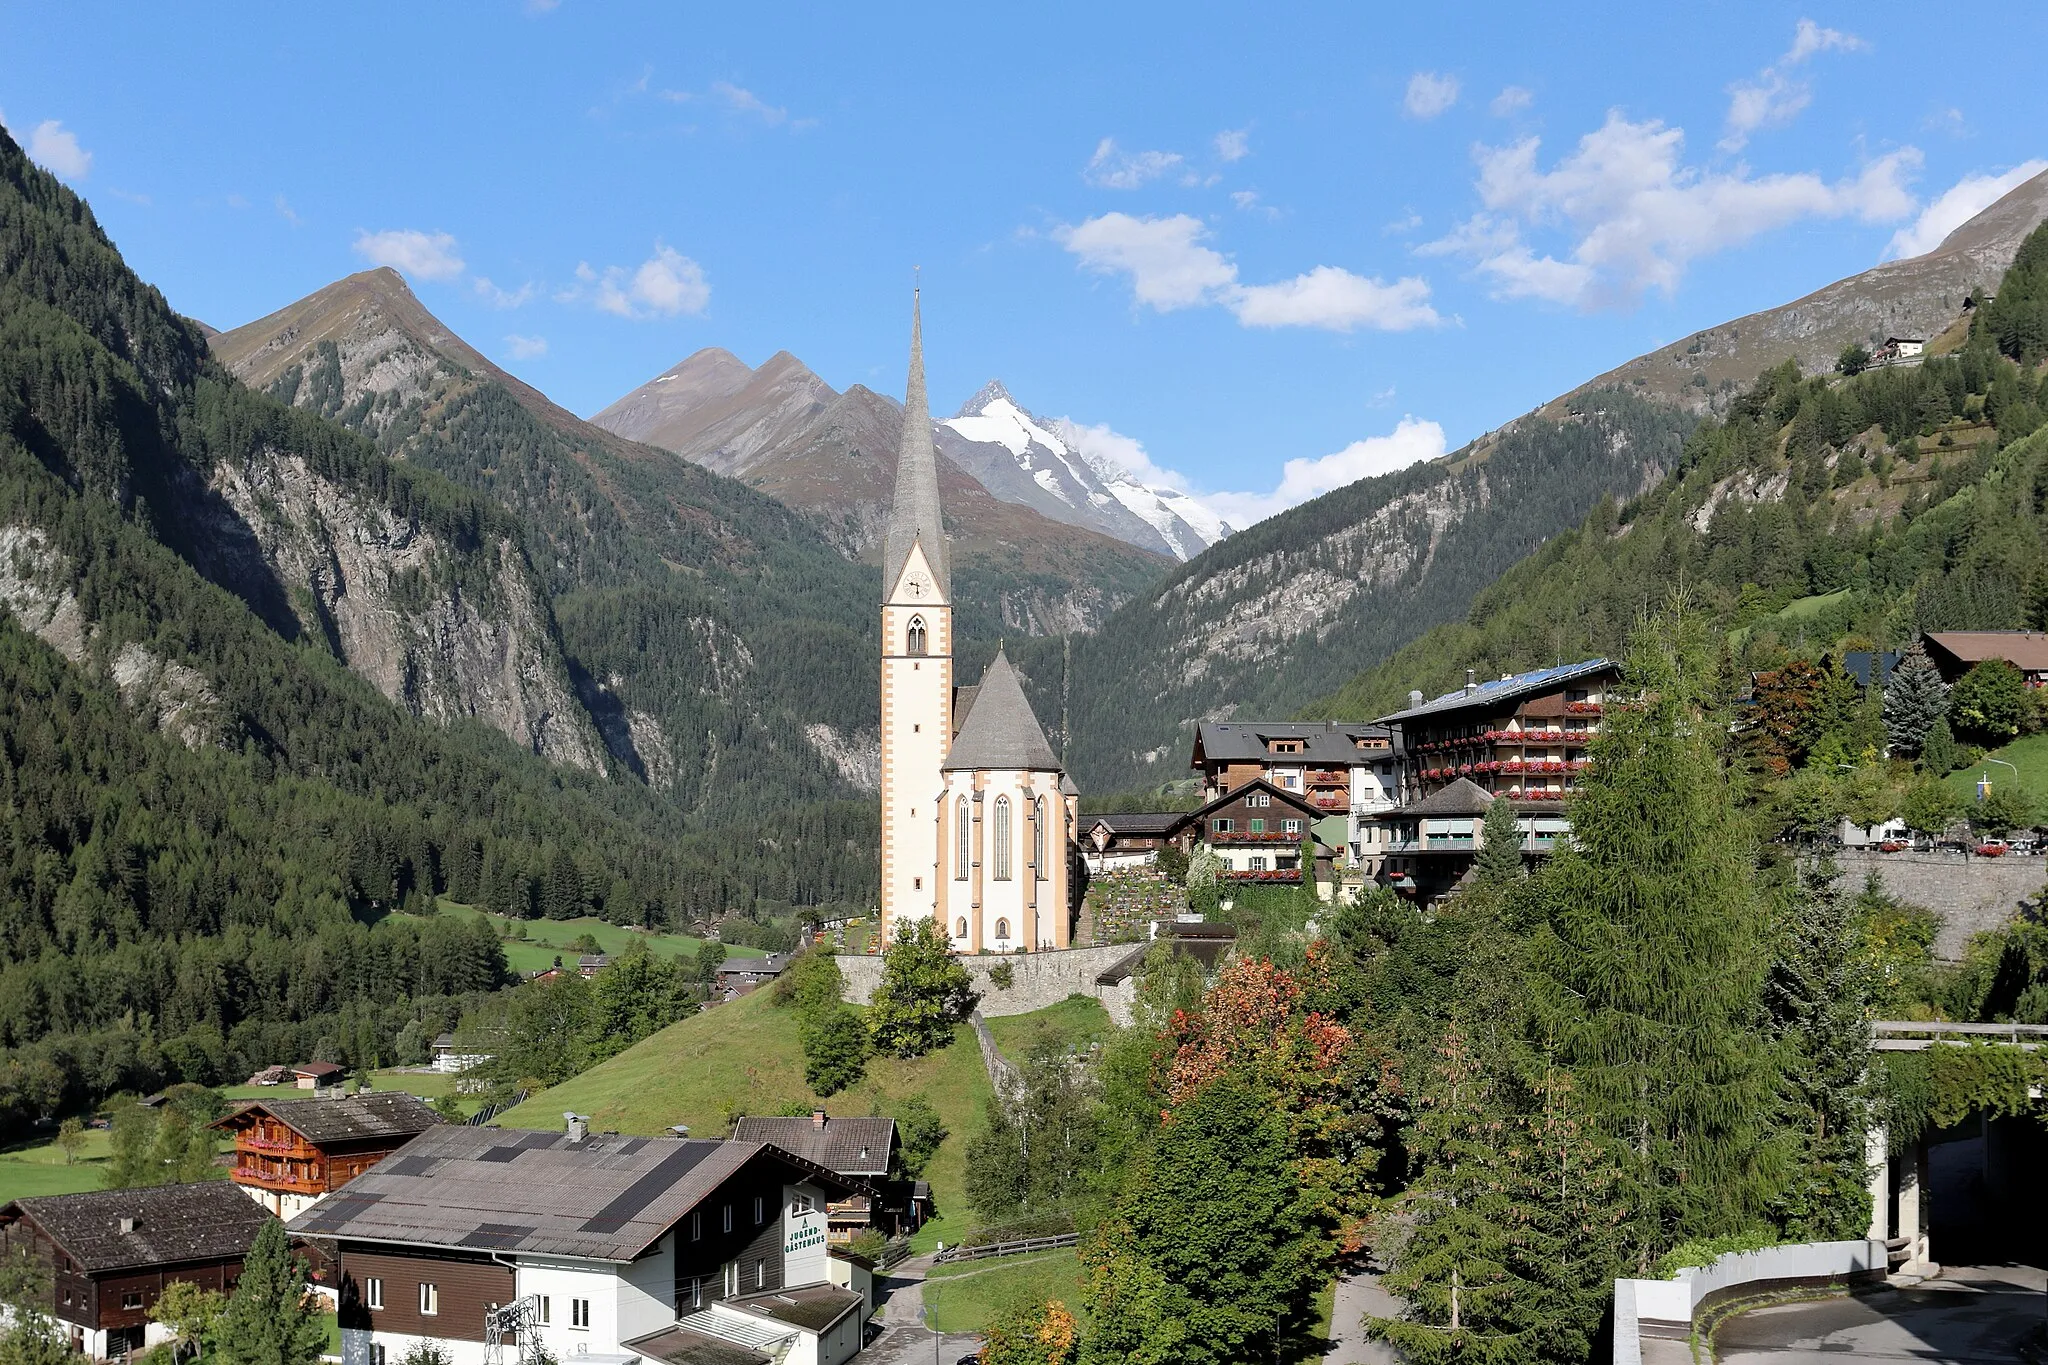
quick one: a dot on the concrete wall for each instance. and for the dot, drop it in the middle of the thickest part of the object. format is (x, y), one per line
(1037, 979)
(1969, 894)
(1649, 1313)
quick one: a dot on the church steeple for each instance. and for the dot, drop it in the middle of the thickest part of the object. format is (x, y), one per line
(914, 516)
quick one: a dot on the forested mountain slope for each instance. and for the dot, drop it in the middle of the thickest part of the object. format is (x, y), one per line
(832, 455)
(1901, 500)
(207, 816)
(724, 647)
(1283, 612)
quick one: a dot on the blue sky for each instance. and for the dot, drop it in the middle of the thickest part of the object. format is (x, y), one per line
(1227, 239)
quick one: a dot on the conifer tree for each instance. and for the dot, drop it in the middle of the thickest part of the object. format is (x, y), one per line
(1499, 863)
(1914, 699)
(1649, 968)
(1941, 755)
(270, 1319)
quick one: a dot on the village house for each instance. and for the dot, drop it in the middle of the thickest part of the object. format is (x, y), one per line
(112, 1252)
(606, 1248)
(1116, 842)
(1896, 349)
(450, 1059)
(1256, 831)
(1956, 652)
(739, 975)
(290, 1154)
(317, 1075)
(861, 1149)
(1341, 767)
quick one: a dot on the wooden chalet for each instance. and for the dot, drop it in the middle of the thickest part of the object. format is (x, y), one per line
(1256, 830)
(861, 1149)
(112, 1252)
(291, 1153)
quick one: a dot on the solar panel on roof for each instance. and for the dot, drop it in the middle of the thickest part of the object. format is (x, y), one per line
(504, 1152)
(414, 1165)
(636, 1196)
(497, 1236)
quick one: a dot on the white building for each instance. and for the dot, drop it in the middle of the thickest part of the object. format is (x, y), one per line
(977, 812)
(606, 1249)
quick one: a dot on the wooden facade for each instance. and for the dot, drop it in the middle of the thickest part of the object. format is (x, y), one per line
(382, 1289)
(303, 1149)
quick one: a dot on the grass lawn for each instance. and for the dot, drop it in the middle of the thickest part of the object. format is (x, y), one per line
(426, 1084)
(39, 1168)
(547, 939)
(1069, 1026)
(962, 1298)
(2029, 755)
(744, 1058)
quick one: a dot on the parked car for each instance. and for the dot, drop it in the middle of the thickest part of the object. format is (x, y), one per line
(1892, 846)
(1993, 848)
(2025, 846)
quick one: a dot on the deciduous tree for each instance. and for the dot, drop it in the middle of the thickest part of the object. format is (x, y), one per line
(923, 994)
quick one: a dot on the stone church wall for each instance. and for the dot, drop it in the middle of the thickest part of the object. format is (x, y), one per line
(1968, 894)
(1036, 979)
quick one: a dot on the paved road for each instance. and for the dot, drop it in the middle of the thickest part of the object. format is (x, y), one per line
(1972, 1315)
(904, 1339)
(1359, 1293)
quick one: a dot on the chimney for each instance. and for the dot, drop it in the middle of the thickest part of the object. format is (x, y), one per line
(126, 1223)
(818, 1117)
(1471, 681)
(1414, 697)
(579, 1126)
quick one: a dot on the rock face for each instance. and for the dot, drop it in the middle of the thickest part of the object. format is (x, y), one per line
(832, 455)
(1919, 296)
(445, 633)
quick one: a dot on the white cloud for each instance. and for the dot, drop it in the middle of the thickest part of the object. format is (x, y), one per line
(1512, 99)
(499, 297)
(1300, 479)
(1962, 201)
(284, 211)
(55, 147)
(1775, 96)
(525, 347)
(1407, 222)
(743, 101)
(666, 284)
(1249, 202)
(1170, 268)
(1112, 168)
(423, 255)
(1429, 94)
(1637, 217)
(1233, 144)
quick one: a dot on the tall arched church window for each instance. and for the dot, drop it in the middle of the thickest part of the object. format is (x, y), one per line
(963, 840)
(1038, 839)
(960, 929)
(1002, 838)
(915, 644)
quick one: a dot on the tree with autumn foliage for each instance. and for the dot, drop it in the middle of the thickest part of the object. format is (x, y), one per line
(1788, 717)
(1031, 1334)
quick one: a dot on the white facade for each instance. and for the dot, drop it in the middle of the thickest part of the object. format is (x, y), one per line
(917, 726)
(285, 1206)
(1005, 884)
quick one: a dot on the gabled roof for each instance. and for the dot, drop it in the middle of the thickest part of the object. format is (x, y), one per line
(1138, 823)
(1244, 741)
(606, 1198)
(850, 1146)
(344, 1118)
(316, 1069)
(914, 511)
(1462, 797)
(1512, 688)
(1001, 731)
(2026, 650)
(771, 965)
(1290, 800)
(174, 1224)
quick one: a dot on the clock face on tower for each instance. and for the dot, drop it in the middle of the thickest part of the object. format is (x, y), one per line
(915, 585)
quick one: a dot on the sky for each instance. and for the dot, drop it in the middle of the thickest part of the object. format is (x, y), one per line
(1255, 252)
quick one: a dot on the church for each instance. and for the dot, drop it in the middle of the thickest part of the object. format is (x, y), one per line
(977, 811)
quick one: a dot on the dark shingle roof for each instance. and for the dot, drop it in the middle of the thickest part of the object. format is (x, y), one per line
(1135, 822)
(1463, 797)
(607, 1198)
(681, 1346)
(1001, 731)
(174, 1224)
(346, 1118)
(837, 1145)
(1323, 741)
(771, 965)
(814, 1307)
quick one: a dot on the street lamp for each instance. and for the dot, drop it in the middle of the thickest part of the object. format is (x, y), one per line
(2003, 764)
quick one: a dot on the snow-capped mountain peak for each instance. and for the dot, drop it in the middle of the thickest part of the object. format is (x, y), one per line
(1021, 457)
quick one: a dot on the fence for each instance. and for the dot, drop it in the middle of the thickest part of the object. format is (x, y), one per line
(1065, 1239)
(894, 1253)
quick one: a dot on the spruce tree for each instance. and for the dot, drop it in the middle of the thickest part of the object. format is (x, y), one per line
(1499, 863)
(1941, 755)
(1649, 968)
(1914, 699)
(270, 1318)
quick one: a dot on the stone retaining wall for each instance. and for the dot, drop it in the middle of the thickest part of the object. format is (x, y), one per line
(1967, 893)
(1036, 979)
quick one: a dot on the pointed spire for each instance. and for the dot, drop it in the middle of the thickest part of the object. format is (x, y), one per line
(914, 515)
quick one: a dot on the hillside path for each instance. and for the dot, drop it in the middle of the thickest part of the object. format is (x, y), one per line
(1359, 1293)
(904, 1339)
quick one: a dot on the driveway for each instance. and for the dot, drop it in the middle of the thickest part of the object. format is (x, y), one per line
(1358, 1294)
(1971, 1315)
(904, 1339)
